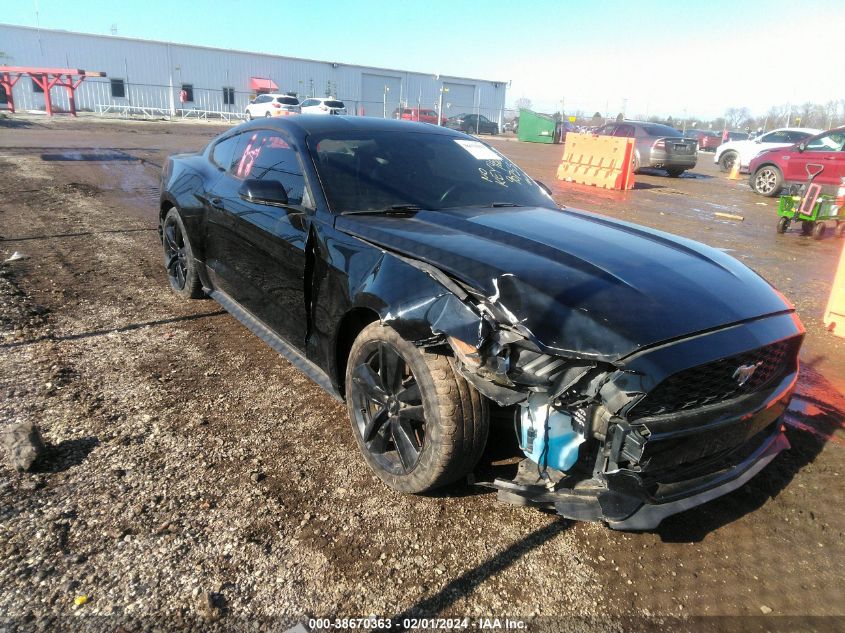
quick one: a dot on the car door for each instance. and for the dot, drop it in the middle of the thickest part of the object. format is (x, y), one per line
(823, 151)
(257, 251)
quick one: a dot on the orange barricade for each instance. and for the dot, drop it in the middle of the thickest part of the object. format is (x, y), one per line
(834, 314)
(603, 161)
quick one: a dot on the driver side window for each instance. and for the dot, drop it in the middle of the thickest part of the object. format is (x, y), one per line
(266, 155)
(775, 137)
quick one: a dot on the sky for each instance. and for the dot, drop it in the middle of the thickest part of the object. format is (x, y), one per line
(678, 58)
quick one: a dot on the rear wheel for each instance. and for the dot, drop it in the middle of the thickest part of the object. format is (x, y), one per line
(806, 227)
(783, 224)
(179, 257)
(767, 181)
(635, 163)
(819, 230)
(267, 114)
(674, 172)
(840, 229)
(248, 115)
(727, 160)
(418, 423)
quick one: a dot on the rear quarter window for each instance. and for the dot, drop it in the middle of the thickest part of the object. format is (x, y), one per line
(221, 153)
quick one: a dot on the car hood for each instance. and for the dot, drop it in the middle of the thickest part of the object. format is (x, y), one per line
(584, 285)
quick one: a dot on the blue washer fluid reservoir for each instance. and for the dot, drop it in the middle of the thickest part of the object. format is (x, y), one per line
(563, 440)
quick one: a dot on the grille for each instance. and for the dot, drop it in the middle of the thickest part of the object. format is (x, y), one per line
(714, 382)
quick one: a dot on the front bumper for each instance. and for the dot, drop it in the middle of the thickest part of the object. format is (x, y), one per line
(595, 503)
(649, 516)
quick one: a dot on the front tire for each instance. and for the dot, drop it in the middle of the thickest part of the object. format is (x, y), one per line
(783, 224)
(767, 181)
(675, 172)
(727, 160)
(417, 422)
(179, 257)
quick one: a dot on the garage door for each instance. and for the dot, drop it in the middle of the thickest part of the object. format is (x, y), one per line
(372, 94)
(460, 99)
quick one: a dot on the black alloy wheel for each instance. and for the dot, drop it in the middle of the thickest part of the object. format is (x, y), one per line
(389, 409)
(178, 257)
(417, 421)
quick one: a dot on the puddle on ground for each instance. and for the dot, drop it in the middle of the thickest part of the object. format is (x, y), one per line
(93, 156)
(116, 171)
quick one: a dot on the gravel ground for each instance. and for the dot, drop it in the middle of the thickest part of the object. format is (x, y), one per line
(194, 478)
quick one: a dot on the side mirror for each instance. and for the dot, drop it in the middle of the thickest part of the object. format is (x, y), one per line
(263, 192)
(802, 146)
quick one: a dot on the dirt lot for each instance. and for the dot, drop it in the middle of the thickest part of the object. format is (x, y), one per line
(194, 476)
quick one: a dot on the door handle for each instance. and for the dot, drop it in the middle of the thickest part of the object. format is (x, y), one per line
(216, 201)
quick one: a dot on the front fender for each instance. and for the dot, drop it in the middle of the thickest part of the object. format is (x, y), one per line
(418, 301)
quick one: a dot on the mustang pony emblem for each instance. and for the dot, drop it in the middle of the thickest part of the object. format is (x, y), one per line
(743, 373)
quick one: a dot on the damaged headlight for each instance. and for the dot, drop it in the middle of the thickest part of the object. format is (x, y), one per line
(493, 361)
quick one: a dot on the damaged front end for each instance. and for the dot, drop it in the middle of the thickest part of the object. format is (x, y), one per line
(625, 441)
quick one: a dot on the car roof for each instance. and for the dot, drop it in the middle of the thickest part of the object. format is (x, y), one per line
(305, 124)
(275, 95)
(808, 130)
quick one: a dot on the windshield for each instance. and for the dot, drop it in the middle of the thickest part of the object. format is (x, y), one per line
(334, 104)
(376, 170)
(288, 100)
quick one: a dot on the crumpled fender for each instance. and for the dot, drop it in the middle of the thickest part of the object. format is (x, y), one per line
(421, 303)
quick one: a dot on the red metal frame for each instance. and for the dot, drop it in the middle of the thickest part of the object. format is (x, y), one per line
(46, 79)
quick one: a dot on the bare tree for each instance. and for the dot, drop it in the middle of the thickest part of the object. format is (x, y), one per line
(523, 103)
(736, 116)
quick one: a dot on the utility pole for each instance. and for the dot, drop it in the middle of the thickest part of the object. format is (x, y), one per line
(384, 109)
(440, 104)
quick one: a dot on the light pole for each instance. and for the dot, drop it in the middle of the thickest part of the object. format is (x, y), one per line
(384, 107)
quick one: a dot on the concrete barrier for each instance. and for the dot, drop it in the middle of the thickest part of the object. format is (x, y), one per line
(834, 314)
(601, 161)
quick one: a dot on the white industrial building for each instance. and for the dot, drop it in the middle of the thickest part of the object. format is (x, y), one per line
(153, 75)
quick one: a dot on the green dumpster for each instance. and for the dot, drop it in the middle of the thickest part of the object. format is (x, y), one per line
(535, 127)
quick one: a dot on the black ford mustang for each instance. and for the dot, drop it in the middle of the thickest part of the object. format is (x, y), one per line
(424, 278)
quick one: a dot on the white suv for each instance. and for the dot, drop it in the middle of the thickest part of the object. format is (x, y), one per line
(272, 105)
(323, 105)
(727, 153)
